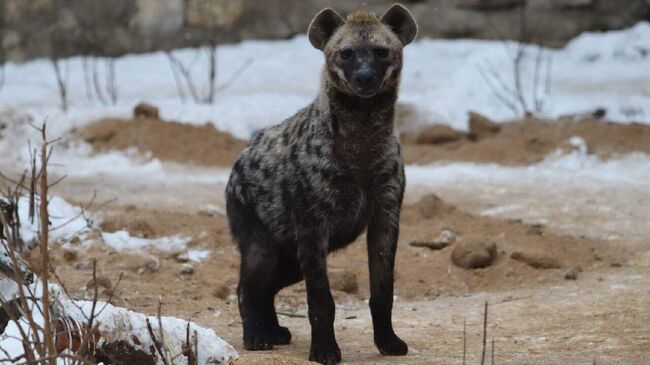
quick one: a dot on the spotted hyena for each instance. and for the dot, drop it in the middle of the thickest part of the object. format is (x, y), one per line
(315, 182)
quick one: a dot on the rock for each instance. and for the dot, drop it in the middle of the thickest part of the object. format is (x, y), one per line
(444, 239)
(573, 4)
(490, 5)
(616, 264)
(481, 127)
(344, 281)
(144, 110)
(181, 257)
(599, 113)
(536, 261)
(82, 266)
(536, 229)
(187, 269)
(70, 255)
(571, 274)
(158, 16)
(210, 14)
(101, 281)
(438, 134)
(474, 255)
(139, 263)
(430, 205)
(222, 291)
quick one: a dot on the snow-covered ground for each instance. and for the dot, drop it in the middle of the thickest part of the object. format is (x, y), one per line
(115, 324)
(441, 78)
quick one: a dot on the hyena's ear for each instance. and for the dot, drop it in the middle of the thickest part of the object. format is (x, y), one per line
(325, 23)
(400, 21)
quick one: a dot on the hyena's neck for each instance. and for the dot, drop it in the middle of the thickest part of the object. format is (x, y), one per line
(354, 117)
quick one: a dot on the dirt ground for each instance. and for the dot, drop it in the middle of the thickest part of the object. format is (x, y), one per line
(536, 316)
(518, 143)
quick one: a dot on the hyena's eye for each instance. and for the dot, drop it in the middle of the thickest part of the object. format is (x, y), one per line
(381, 52)
(346, 53)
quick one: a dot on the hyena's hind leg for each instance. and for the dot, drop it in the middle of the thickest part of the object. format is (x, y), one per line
(256, 292)
(257, 279)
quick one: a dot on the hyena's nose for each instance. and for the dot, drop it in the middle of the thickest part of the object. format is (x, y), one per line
(365, 78)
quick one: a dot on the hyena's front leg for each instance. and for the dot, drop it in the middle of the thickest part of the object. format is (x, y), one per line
(312, 252)
(382, 243)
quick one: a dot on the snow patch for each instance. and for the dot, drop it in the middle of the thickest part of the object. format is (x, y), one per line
(123, 241)
(66, 220)
(120, 324)
(198, 255)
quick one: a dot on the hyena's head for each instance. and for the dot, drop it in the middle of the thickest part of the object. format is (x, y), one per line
(363, 53)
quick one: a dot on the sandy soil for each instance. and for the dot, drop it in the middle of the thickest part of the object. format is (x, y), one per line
(536, 316)
(520, 142)
(528, 141)
(165, 140)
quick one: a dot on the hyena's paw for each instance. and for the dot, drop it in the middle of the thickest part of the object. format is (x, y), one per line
(264, 338)
(282, 336)
(327, 354)
(391, 345)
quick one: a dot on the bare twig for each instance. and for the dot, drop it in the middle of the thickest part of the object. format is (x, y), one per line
(485, 315)
(235, 75)
(182, 73)
(44, 232)
(157, 344)
(61, 83)
(492, 350)
(185, 72)
(464, 340)
(189, 348)
(212, 73)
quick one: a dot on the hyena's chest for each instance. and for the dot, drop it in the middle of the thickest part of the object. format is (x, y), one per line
(351, 214)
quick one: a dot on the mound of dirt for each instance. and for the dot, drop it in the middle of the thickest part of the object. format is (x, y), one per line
(165, 140)
(516, 143)
(529, 140)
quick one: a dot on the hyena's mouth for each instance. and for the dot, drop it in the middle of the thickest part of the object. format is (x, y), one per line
(360, 91)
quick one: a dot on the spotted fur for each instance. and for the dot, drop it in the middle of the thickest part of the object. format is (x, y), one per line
(313, 184)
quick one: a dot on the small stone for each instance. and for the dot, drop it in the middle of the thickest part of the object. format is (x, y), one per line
(101, 281)
(139, 263)
(480, 126)
(536, 229)
(232, 299)
(70, 255)
(616, 264)
(430, 205)
(536, 261)
(344, 281)
(222, 291)
(444, 239)
(474, 255)
(181, 257)
(144, 110)
(152, 265)
(571, 274)
(187, 269)
(438, 134)
(82, 266)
